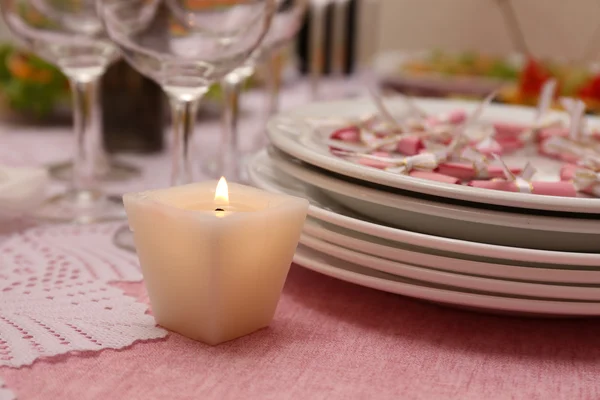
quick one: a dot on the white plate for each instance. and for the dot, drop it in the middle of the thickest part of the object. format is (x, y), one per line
(21, 189)
(262, 173)
(497, 286)
(395, 251)
(482, 284)
(450, 220)
(356, 274)
(289, 133)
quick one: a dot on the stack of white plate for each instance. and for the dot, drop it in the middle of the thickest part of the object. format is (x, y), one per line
(452, 244)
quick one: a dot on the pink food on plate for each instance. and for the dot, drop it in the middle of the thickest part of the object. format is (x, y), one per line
(561, 189)
(369, 162)
(410, 145)
(567, 172)
(508, 129)
(565, 156)
(379, 164)
(546, 133)
(348, 134)
(467, 172)
(453, 117)
(510, 144)
(487, 147)
(434, 176)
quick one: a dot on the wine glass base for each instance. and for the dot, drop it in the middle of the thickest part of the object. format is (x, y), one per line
(117, 171)
(80, 207)
(123, 239)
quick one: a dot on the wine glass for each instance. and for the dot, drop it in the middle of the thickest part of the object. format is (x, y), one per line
(185, 46)
(68, 34)
(286, 23)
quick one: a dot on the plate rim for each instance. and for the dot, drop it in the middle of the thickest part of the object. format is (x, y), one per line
(314, 228)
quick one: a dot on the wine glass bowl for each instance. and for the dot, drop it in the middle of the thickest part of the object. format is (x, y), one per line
(286, 23)
(183, 45)
(65, 33)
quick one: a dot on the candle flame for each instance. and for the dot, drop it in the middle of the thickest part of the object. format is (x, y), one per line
(222, 193)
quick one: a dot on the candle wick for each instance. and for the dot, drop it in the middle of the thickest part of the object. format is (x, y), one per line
(219, 209)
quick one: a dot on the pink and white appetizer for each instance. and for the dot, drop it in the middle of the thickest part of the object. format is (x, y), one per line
(509, 130)
(418, 166)
(565, 149)
(523, 183)
(585, 176)
(561, 189)
(587, 181)
(510, 145)
(488, 146)
(454, 117)
(473, 165)
(409, 145)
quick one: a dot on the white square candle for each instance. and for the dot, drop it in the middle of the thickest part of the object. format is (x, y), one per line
(213, 275)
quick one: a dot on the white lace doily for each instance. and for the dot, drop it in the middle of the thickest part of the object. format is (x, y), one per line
(5, 394)
(55, 299)
(90, 247)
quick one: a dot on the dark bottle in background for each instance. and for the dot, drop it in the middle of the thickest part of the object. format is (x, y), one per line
(133, 114)
(303, 49)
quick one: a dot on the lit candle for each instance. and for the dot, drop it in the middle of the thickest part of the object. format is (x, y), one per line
(214, 258)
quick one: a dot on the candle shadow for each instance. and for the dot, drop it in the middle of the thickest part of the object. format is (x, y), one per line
(387, 315)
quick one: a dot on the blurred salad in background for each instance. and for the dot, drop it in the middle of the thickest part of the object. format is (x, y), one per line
(467, 64)
(35, 88)
(30, 85)
(523, 77)
(573, 81)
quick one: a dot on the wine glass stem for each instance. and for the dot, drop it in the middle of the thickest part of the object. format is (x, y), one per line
(87, 120)
(273, 81)
(317, 42)
(184, 112)
(231, 86)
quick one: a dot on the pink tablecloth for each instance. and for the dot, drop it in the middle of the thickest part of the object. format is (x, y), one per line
(329, 340)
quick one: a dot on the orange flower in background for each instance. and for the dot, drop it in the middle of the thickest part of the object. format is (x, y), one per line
(21, 68)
